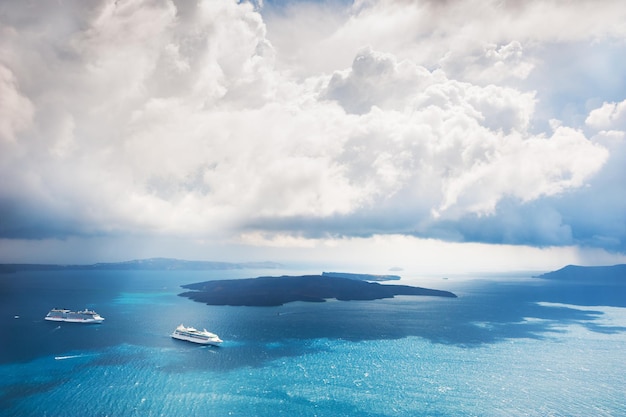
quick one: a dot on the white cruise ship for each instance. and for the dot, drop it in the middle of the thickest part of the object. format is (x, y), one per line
(196, 336)
(85, 316)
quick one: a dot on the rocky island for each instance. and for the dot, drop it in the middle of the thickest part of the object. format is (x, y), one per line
(276, 291)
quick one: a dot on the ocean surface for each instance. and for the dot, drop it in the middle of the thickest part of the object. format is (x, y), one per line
(507, 346)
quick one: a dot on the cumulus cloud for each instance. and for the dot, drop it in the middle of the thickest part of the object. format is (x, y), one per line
(16, 109)
(493, 64)
(158, 117)
(610, 116)
(494, 32)
(471, 142)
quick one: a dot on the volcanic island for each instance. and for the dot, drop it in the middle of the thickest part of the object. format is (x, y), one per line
(276, 291)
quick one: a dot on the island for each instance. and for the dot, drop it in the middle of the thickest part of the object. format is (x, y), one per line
(614, 274)
(152, 264)
(276, 291)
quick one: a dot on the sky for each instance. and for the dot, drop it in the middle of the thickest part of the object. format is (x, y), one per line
(436, 136)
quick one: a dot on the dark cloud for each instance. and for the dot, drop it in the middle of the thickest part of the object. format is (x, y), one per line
(25, 220)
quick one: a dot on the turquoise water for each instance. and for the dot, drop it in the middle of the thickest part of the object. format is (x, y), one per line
(505, 347)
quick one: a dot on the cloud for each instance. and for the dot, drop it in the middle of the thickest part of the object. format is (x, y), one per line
(16, 109)
(493, 64)
(471, 142)
(164, 118)
(459, 32)
(610, 116)
(121, 102)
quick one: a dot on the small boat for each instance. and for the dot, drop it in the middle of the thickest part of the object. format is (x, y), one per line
(85, 316)
(191, 334)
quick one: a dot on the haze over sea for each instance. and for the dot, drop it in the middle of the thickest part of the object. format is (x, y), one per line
(509, 345)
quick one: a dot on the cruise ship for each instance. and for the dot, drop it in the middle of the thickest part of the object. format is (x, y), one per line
(85, 316)
(196, 336)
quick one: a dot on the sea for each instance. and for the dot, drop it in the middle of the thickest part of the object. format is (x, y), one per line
(509, 345)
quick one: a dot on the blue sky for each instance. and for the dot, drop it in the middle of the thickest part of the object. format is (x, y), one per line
(376, 132)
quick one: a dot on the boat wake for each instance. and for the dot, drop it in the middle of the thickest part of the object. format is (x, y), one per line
(62, 358)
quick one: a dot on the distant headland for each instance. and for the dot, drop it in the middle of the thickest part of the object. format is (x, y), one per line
(152, 264)
(615, 274)
(276, 291)
(362, 277)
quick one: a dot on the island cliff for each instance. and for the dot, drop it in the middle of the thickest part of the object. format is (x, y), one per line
(276, 291)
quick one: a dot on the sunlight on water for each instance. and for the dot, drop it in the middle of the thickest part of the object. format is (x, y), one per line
(129, 298)
(402, 377)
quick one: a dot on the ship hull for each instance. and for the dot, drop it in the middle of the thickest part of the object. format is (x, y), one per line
(196, 340)
(68, 320)
(68, 316)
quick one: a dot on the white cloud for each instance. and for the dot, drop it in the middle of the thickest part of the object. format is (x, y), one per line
(524, 168)
(428, 31)
(493, 64)
(610, 116)
(471, 142)
(16, 109)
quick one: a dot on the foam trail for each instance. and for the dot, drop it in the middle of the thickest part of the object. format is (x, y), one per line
(60, 358)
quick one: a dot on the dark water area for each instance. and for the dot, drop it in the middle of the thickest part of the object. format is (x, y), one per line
(118, 296)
